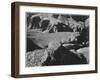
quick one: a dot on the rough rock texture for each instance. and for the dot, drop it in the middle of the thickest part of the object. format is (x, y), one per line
(48, 57)
(36, 58)
(56, 54)
(39, 57)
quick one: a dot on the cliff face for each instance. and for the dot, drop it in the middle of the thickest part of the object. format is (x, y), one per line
(54, 39)
(56, 22)
(43, 39)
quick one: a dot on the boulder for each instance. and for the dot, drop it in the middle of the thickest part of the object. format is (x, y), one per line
(84, 52)
(36, 57)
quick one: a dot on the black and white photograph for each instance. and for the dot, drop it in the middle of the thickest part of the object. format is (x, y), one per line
(52, 39)
(56, 39)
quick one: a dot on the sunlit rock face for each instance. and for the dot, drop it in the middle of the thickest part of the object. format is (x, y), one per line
(84, 52)
(54, 39)
(36, 58)
(87, 23)
(42, 40)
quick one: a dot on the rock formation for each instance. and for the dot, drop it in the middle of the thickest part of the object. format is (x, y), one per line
(54, 39)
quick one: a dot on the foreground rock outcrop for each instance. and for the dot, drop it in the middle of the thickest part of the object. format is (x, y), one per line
(48, 57)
